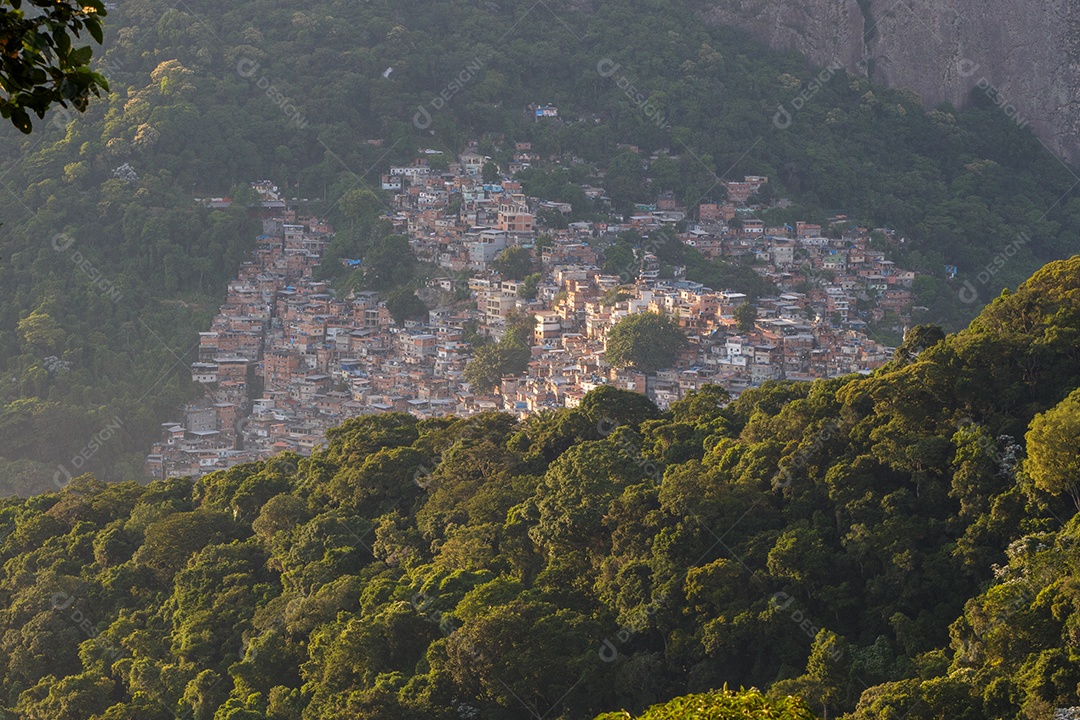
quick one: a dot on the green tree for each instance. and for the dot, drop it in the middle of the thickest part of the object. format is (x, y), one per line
(41, 332)
(527, 289)
(645, 341)
(625, 180)
(701, 406)
(389, 264)
(404, 304)
(244, 196)
(621, 260)
(490, 172)
(665, 174)
(745, 316)
(828, 668)
(537, 645)
(361, 206)
(513, 263)
(485, 369)
(69, 698)
(722, 705)
(40, 65)
(519, 329)
(552, 219)
(491, 363)
(721, 275)
(1053, 460)
(173, 539)
(916, 340)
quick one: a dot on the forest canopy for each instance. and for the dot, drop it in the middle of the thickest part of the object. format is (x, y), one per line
(870, 546)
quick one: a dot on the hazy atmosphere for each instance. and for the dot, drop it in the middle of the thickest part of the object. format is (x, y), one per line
(539, 360)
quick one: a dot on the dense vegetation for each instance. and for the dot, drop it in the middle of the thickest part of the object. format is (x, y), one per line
(743, 705)
(645, 341)
(102, 244)
(881, 546)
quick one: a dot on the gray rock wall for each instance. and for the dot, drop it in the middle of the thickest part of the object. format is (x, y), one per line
(1024, 53)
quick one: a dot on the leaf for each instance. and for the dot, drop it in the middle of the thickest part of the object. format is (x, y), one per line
(81, 56)
(63, 41)
(21, 120)
(94, 28)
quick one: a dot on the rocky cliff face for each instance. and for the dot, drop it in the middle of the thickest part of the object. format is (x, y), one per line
(1025, 54)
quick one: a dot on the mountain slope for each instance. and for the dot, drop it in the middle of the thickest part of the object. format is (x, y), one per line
(1023, 54)
(872, 544)
(110, 268)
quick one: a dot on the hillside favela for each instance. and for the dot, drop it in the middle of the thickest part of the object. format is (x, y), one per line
(319, 359)
(539, 360)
